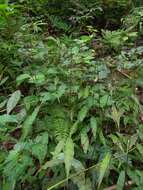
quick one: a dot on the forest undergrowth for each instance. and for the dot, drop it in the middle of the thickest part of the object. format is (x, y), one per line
(71, 95)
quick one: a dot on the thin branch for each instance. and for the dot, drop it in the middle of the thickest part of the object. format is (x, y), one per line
(124, 74)
(114, 187)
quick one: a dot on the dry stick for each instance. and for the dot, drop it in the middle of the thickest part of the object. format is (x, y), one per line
(114, 187)
(124, 74)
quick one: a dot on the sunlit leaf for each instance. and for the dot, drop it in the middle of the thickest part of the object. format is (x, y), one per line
(13, 100)
(103, 168)
(69, 154)
(21, 78)
(140, 148)
(27, 125)
(93, 124)
(121, 181)
(37, 79)
(116, 116)
(58, 148)
(84, 140)
(8, 119)
(39, 147)
(82, 113)
(74, 128)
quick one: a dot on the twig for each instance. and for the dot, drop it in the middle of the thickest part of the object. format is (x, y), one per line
(124, 74)
(114, 187)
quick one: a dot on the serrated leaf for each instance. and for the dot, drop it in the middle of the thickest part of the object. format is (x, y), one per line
(82, 113)
(21, 78)
(27, 125)
(121, 181)
(84, 141)
(103, 168)
(7, 119)
(93, 124)
(13, 100)
(69, 155)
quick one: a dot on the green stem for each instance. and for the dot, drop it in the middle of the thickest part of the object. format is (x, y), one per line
(74, 175)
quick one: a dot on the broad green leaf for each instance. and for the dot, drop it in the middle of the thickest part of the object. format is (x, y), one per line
(15, 168)
(102, 138)
(37, 79)
(39, 147)
(74, 128)
(84, 93)
(134, 176)
(93, 124)
(21, 78)
(133, 140)
(54, 162)
(105, 100)
(82, 113)
(79, 180)
(140, 132)
(116, 116)
(46, 96)
(78, 166)
(15, 152)
(3, 81)
(13, 100)
(116, 141)
(121, 181)
(84, 141)
(27, 125)
(21, 115)
(69, 155)
(82, 183)
(103, 168)
(30, 101)
(114, 138)
(7, 119)
(2, 104)
(85, 38)
(9, 185)
(58, 148)
(61, 90)
(140, 149)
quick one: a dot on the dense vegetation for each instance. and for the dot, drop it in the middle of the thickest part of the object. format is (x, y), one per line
(71, 94)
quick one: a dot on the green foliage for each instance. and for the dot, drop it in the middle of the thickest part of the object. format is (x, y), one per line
(103, 167)
(69, 154)
(117, 39)
(13, 100)
(121, 181)
(70, 94)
